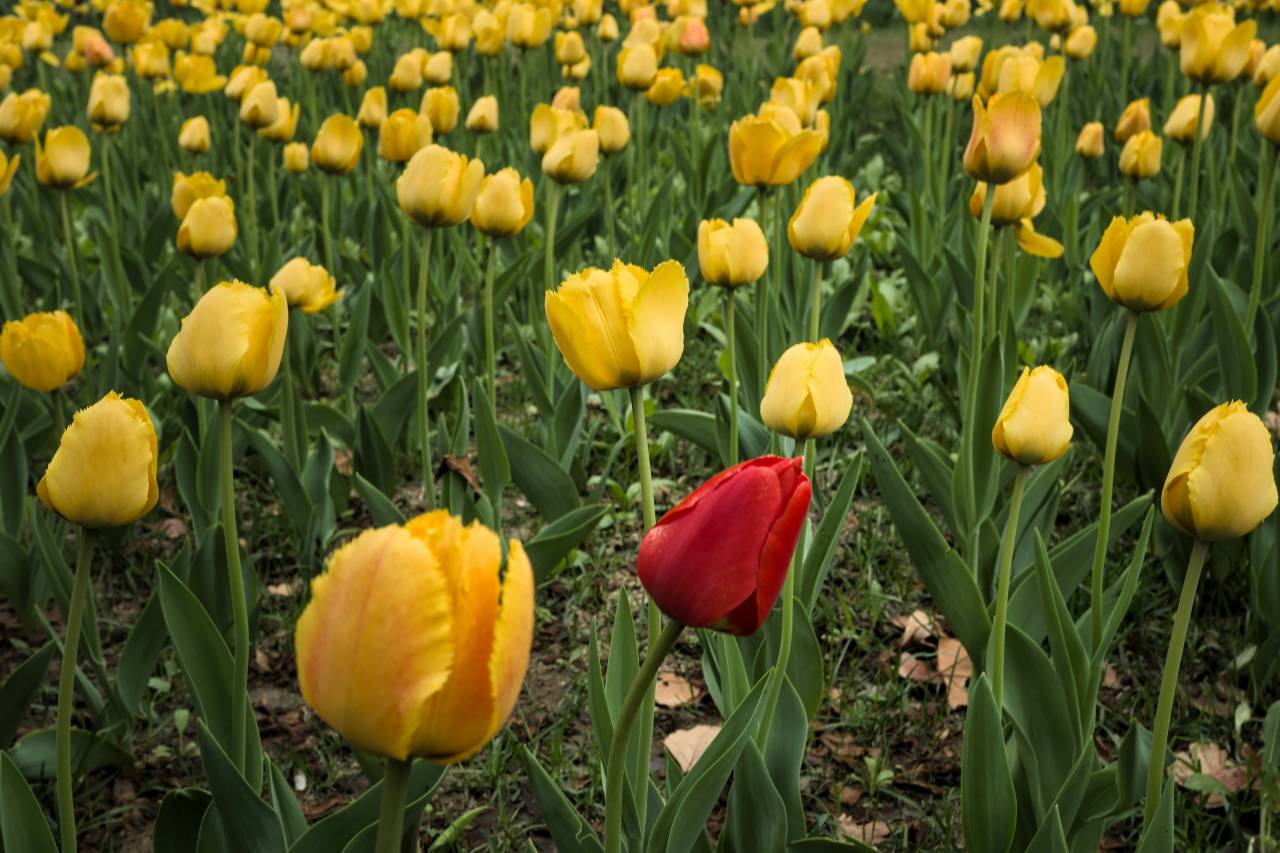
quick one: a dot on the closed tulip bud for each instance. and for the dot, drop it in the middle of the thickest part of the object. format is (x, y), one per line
(955, 14)
(1016, 200)
(1169, 18)
(613, 129)
(1081, 42)
(607, 29)
(483, 117)
(1257, 50)
(570, 49)
(1142, 262)
(578, 71)
(209, 227)
(1135, 119)
(960, 87)
(416, 640)
(402, 135)
(808, 43)
(528, 26)
(150, 60)
(1266, 112)
(438, 68)
(187, 189)
(103, 473)
(125, 21)
(243, 80)
(1267, 70)
(621, 328)
(929, 73)
(504, 204)
(1140, 157)
(573, 157)
(286, 123)
(567, 98)
(637, 66)
(707, 86)
(43, 351)
(8, 168)
(355, 74)
(1181, 125)
(194, 135)
(373, 108)
(732, 255)
(406, 76)
(1214, 47)
(1090, 142)
(807, 395)
(172, 31)
(801, 96)
(63, 161)
(1134, 8)
(772, 149)
(667, 87)
(919, 38)
(261, 106)
(307, 286)
(487, 32)
(196, 74)
(296, 157)
(1005, 138)
(1028, 73)
(718, 558)
(22, 116)
(1034, 426)
(1221, 485)
(108, 101)
(440, 104)
(439, 187)
(828, 219)
(965, 53)
(262, 30)
(337, 145)
(547, 124)
(230, 344)
(588, 11)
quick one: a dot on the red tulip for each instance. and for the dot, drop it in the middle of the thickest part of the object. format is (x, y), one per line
(719, 557)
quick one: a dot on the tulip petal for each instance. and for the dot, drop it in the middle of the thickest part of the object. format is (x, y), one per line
(1034, 243)
(655, 323)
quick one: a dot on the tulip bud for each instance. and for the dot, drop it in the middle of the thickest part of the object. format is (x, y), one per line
(667, 87)
(1266, 112)
(242, 80)
(1135, 119)
(1140, 157)
(488, 32)
(8, 168)
(439, 187)
(622, 328)
(1181, 126)
(126, 20)
(197, 74)
(771, 149)
(231, 343)
(282, 129)
(570, 49)
(504, 205)
(103, 473)
(1081, 42)
(828, 219)
(1005, 137)
(373, 108)
(1221, 483)
(732, 255)
(573, 157)
(108, 101)
(483, 117)
(187, 189)
(607, 29)
(1142, 262)
(260, 106)
(209, 227)
(613, 129)
(406, 76)
(718, 559)
(965, 53)
(801, 96)
(807, 395)
(416, 640)
(307, 286)
(438, 68)
(929, 73)
(63, 161)
(337, 145)
(194, 135)
(567, 98)
(808, 43)
(1034, 426)
(43, 351)
(402, 135)
(22, 116)
(296, 157)
(707, 86)
(1267, 69)
(528, 26)
(637, 66)
(440, 104)
(1089, 144)
(1214, 47)
(960, 87)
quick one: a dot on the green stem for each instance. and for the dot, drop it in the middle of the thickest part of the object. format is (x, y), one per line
(326, 189)
(993, 288)
(1130, 195)
(1196, 145)
(1002, 589)
(406, 252)
(1179, 170)
(252, 206)
(198, 281)
(424, 379)
(1124, 59)
(1169, 679)
(1108, 481)
(610, 216)
(549, 250)
(636, 693)
(1261, 244)
(490, 354)
(976, 345)
(815, 302)
(395, 788)
(642, 454)
(59, 417)
(11, 258)
(732, 348)
(66, 692)
(72, 264)
(235, 578)
(762, 297)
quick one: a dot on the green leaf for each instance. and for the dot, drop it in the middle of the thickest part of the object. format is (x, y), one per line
(826, 845)
(539, 477)
(988, 803)
(336, 831)
(141, 653)
(1240, 381)
(756, 818)
(374, 459)
(13, 472)
(569, 831)
(1049, 838)
(826, 539)
(248, 823)
(20, 689)
(35, 753)
(381, 508)
(354, 338)
(285, 805)
(784, 755)
(23, 826)
(553, 543)
(697, 427)
(177, 826)
(1158, 837)
(491, 453)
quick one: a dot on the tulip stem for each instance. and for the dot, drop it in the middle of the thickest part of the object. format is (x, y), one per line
(1002, 589)
(72, 265)
(1130, 195)
(1108, 481)
(611, 228)
(326, 189)
(424, 379)
(11, 257)
(1126, 49)
(235, 578)
(1169, 679)
(251, 213)
(815, 302)
(642, 455)
(976, 347)
(199, 281)
(490, 354)
(615, 773)
(1260, 246)
(66, 692)
(549, 250)
(731, 348)
(406, 259)
(395, 788)
(1195, 155)
(1179, 170)
(762, 298)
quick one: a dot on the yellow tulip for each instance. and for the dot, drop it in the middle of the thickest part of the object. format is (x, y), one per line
(1134, 8)
(1221, 485)
(172, 31)
(1034, 426)
(1142, 262)
(355, 74)
(187, 189)
(1140, 157)
(193, 137)
(1049, 15)
(8, 168)
(440, 104)
(103, 473)
(567, 98)
(1028, 74)
(1090, 142)
(570, 49)
(243, 79)
(1005, 138)
(439, 187)
(929, 73)
(807, 395)
(197, 74)
(504, 204)
(1081, 42)
(286, 123)
(547, 124)
(919, 38)
(126, 20)
(611, 125)
(488, 32)
(296, 157)
(1214, 47)
(1266, 112)
(231, 343)
(1135, 119)
(528, 26)
(209, 227)
(732, 255)
(965, 53)
(637, 66)
(373, 108)
(260, 106)
(828, 219)
(1181, 126)
(307, 286)
(108, 101)
(483, 116)
(22, 116)
(403, 134)
(1169, 19)
(1268, 67)
(150, 60)
(707, 85)
(416, 641)
(607, 29)
(690, 36)
(667, 87)
(63, 161)
(263, 30)
(621, 328)
(438, 68)
(773, 149)
(43, 351)
(960, 87)
(573, 157)
(808, 43)
(337, 145)
(801, 96)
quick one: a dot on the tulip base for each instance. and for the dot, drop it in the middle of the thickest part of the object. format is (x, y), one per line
(66, 693)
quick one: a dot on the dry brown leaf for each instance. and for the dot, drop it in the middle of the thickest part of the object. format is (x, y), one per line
(673, 690)
(914, 669)
(1110, 678)
(687, 745)
(850, 795)
(954, 669)
(283, 590)
(871, 832)
(1212, 760)
(460, 465)
(916, 626)
(342, 461)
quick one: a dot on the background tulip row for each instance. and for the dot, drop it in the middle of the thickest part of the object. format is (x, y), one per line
(594, 401)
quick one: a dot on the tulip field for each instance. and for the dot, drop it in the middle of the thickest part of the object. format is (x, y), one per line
(601, 426)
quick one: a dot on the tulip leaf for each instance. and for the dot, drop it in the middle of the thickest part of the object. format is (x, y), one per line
(1265, 359)
(784, 755)
(694, 426)
(13, 471)
(826, 539)
(285, 805)
(495, 469)
(141, 653)
(396, 406)
(1035, 700)
(373, 457)
(354, 339)
(553, 543)
(285, 479)
(570, 832)
(988, 802)
(597, 702)
(333, 833)
(1070, 660)
(827, 845)
(248, 824)
(539, 477)
(1131, 768)
(177, 826)
(23, 826)
(16, 574)
(381, 508)
(755, 818)
(20, 689)
(1049, 838)
(936, 470)
(1158, 837)
(1240, 381)
(35, 753)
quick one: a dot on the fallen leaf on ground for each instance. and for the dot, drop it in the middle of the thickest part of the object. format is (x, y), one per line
(955, 669)
(687, 745)
(1213, 761)
(673, 690)
(1110, 678)
(913, 668)
(283, 590)
(871, 832)
(915, 626)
